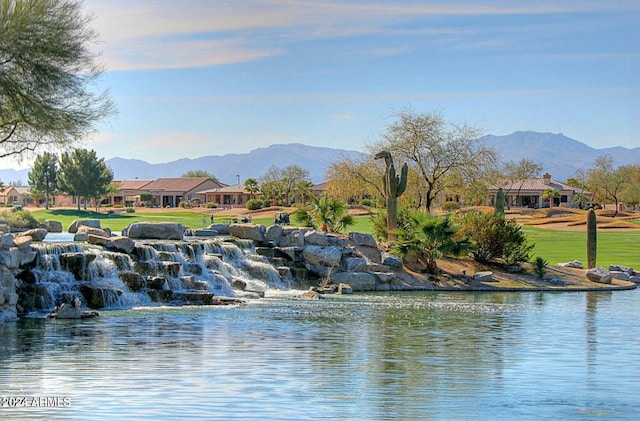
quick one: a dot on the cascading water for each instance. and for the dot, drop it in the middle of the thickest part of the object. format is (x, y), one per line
(155, 271)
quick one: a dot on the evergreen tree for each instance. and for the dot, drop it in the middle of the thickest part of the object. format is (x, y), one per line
(43, 176)
(84, 175)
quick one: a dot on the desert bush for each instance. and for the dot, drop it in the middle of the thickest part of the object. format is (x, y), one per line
(365, 202)
(211, 205)
(495, 237)
(450, 206)
(379, 222)
(19, 219)
(130, 210)
(254, 204)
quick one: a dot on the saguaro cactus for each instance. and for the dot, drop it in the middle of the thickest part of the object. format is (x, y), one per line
(500, 201)
(394, 185)
(591, 239)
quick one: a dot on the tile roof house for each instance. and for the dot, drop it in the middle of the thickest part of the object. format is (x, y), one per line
(169, 192)
(234, 195)
(15, 195)
(529, 192)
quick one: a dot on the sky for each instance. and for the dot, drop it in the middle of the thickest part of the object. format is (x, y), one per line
(206, 77)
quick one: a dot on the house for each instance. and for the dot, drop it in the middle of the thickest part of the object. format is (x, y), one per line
(169, 192)
(15, 195)
(529, 192)
(128, 193)
(225, 195)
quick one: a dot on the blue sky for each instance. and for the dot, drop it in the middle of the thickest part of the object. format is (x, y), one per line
(193, 78)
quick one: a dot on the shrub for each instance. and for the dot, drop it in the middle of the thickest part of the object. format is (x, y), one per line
(211, 205)
(365, 202)
(495, 238)
(185, 204)
(540, 267)
(379, 221)
(130, 210)
(19, 219)
(450, 206)
(254, 204)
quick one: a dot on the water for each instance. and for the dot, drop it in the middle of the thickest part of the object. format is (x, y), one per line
(391, 356)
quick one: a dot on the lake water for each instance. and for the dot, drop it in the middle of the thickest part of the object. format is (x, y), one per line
(391, 356)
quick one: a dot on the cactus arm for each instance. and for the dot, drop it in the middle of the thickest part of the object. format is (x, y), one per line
(402, 184)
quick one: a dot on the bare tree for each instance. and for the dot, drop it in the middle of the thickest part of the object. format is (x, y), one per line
(437, 149)
(517, 173)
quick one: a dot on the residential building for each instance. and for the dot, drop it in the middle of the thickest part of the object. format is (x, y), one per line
(529, 192)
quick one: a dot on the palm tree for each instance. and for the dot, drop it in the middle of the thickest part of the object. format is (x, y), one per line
(328, 215)
(251, 186)
(429, 237)
(550, 194)
(302, 191)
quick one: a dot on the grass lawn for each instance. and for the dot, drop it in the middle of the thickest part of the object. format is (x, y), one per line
(117, 221)
(620, 248)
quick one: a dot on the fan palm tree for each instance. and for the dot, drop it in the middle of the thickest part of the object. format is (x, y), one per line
(328, 215)
(251, 186)
(429, 237)
(550, 194)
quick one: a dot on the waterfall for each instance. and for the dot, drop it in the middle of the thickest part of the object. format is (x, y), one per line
(154, 272)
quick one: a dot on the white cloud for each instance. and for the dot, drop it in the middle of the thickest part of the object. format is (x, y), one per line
(345, 116)
(193, 33)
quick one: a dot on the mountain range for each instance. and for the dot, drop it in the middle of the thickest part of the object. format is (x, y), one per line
(559, 155)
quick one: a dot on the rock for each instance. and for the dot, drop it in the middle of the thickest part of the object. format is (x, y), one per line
(120, 243)
(255, 232)
(274, 233)
(573, 264)
(292, 239)
(222, 229)
(599, 275)
(23, 242)
(618, 268)
(158, 282)
(7, 241)
(316, 238)
(83, 232)
(359, 281)
(93, 223)
(94, 239)
(100, 296)
(355, 264)
(311, 295)
(205, 233)
(392, 261)
(68, 311)
(77, 263)
(5, 228)
(363, 239)
(323, 256)
(196, 298)
(36, 234)
(344, 288)
(483, 276)
(133, 280)
(622, 276)
(51, 226)
(155, 230)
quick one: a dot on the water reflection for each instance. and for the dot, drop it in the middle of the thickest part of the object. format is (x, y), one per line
(368, 356)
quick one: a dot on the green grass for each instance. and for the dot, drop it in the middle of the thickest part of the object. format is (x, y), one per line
(117, 221)
(620, 248)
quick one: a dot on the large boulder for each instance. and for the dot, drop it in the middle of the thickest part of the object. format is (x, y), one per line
(359, 281)
(363, 239)
(316, 238)
(36, 234)
(322, 256)
(51, 225)
(273, 234)
(155, 230)
(83, 232)
(120, 243)
(255, 232)
(599, 275)
(293, 238)
(93, 223)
